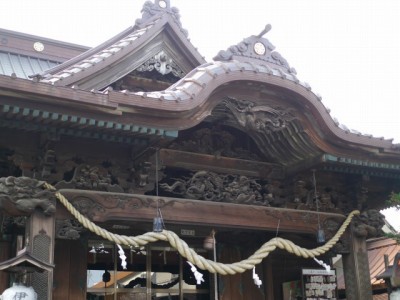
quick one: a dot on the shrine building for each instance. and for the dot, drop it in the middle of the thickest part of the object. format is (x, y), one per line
(138, 170)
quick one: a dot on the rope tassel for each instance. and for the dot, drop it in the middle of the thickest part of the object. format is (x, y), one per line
(196, 259)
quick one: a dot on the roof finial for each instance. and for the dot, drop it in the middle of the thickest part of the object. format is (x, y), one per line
(265, 30)
(163, 3)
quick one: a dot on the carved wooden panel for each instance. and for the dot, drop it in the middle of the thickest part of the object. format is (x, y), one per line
(102, 207)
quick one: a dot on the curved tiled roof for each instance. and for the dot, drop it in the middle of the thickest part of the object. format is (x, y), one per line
(91, 60)
(194, 89)
(250, 71)
(241, 62)
(154, 19)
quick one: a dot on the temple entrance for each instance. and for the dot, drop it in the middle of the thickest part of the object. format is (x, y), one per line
(152, 272)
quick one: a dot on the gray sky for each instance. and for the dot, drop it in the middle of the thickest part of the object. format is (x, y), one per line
(347, 50)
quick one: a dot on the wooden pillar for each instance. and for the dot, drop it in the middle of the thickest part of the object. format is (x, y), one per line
(40, 233)
(70, 276)
(269, 282)
(356, 270)
(4, 255)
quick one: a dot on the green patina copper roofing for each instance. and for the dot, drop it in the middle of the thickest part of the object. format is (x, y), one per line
(80, 126)
(23, 66)
(368, 167)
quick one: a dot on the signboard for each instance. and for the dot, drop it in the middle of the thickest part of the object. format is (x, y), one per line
(319, 284)
(188, 232)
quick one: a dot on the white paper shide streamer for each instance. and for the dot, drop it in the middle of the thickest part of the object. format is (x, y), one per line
(197, 274)
(122, 256)
(257, 280)
(321, 263)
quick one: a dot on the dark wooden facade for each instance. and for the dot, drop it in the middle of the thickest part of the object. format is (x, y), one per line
(239, 145)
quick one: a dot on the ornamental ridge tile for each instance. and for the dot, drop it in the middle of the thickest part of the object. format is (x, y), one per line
(258, 50)
(152, 14)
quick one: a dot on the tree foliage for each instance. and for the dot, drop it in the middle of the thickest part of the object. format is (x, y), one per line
(394, 201)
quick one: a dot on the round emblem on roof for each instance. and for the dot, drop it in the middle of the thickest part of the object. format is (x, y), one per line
(38, 46)
(162, 4)
(259, 48)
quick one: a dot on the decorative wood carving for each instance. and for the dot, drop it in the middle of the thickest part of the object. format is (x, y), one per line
(215, 141)
(369, 224)
(163, 64)
(209, 186)
(47, 160)
(261, 119)
(9, 224)
(7, 166)
(90, 178)
(68, 229)
(102, 207)
(233, 186)
(258, 49)
(150, 9)
(48, 163)
(22, 195)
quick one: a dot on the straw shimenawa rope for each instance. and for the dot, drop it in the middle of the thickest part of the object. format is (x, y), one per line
(196, 259)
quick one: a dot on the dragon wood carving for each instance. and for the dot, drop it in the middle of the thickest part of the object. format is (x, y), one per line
(23, 195)
(261, 119)
(209, 186)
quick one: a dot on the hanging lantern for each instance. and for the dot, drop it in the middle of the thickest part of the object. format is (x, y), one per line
(209, 241)
(157, 224)
(106, 276)
(320, 236)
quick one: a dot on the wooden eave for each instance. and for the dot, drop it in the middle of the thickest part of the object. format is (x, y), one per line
(128, 50)
(192, 99)
(25, 260)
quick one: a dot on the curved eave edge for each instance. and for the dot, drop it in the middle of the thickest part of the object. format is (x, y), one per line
(188, 96)
(78, 126)
(193, 91)
(361, 166)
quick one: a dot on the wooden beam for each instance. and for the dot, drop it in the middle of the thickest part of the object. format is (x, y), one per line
(219, 164)
(102, 207)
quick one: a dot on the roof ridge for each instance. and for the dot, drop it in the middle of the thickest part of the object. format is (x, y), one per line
(158, 8)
